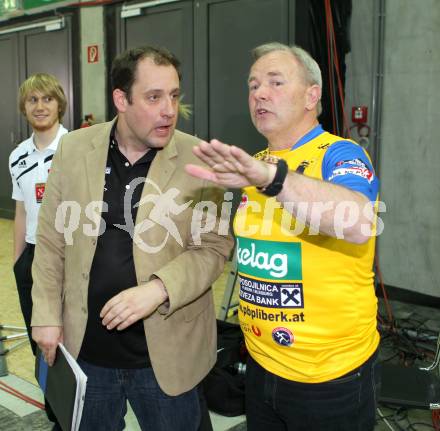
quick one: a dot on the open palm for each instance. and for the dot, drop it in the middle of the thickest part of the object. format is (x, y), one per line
(230, 166)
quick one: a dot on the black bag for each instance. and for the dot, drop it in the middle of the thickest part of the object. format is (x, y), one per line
(224, 385)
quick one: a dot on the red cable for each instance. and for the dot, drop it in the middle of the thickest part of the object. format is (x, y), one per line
(19, 396)
(436, 419)
(10, 390)
(330, 70)
(341, 94)
(379, 317)
(336, 63)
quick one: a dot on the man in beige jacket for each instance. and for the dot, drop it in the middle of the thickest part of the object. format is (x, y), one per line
(125, 260)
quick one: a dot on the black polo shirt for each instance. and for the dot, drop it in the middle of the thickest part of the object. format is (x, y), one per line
(113, 267)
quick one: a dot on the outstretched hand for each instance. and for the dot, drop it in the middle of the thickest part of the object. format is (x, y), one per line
(230, 166)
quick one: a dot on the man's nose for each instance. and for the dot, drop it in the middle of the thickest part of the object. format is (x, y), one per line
(169, 107)
(261, 93)
(40, 104)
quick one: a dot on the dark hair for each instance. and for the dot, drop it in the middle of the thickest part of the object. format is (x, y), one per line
(124, 66)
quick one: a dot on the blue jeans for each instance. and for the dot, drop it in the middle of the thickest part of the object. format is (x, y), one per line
(108, 390)
(344, 404)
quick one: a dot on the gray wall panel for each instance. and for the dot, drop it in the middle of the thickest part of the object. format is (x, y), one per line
(409, 248)
(58, 63)
(409, 156)
(24, 53)
(9, 124)
(170, 26)
(235, 27)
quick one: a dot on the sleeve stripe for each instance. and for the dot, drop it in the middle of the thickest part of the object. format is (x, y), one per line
(48, 158)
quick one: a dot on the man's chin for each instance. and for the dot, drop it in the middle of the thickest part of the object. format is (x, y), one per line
(161, 140)
(264, 129)
(261, 125)
(42, 127)
(159, 144)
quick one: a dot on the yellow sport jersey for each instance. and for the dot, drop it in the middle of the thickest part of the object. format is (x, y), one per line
(307, 302)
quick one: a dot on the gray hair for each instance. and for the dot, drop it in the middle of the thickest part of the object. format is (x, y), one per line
(312, 72)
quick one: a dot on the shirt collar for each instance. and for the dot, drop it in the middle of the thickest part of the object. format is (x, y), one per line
(312, 134)
(29, 144)
(113, 140)
(54, 144)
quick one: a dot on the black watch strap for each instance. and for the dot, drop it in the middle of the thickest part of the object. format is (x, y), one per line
(275, 187)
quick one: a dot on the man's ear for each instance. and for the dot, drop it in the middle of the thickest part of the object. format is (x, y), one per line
(313, 95)
(120, 100)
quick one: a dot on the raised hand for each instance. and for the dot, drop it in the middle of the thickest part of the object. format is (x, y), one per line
(230, 166)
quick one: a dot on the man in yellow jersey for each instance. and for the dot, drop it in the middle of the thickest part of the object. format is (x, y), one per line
(305, 234)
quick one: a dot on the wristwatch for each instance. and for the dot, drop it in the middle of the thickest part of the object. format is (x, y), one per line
(275, 187)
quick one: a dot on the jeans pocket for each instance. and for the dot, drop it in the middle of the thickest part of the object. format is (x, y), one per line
(346, 378)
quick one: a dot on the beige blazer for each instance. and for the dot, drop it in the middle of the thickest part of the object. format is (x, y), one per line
(181, 339)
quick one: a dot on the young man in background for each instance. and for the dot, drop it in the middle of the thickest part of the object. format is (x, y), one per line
(43, 103)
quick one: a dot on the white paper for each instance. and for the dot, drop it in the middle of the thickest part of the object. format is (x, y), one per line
(81, 385)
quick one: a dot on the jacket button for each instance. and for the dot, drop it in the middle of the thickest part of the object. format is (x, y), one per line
(85, 276)
(84, 310)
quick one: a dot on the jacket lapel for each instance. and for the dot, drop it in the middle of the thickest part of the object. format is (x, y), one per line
(164, 165)
(96, 160)
(159, 174)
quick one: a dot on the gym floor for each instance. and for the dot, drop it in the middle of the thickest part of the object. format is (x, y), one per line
(18, 370)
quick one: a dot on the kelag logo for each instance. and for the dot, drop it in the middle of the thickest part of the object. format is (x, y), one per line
(269, 259)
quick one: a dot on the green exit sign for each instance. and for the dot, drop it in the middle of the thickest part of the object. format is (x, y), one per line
(32, 4)
(11, 7)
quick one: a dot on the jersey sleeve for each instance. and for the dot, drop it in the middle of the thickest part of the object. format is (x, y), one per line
(17, 193)
(348, 165)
